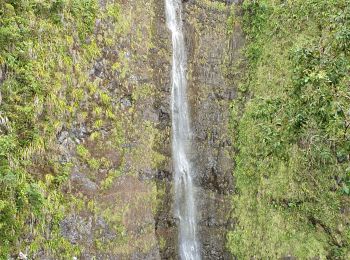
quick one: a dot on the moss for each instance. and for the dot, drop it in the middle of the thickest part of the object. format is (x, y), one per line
(48, 61)
(50, 51)
(110, 179)
(288, 135)
(216, 5)
(38, 58)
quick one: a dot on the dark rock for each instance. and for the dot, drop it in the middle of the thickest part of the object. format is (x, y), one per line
(4, 126)
(99, 68)
(81, 183)
(104, 230)
(147, 175)
(288, 257)
(80, 132)
(77, 229)
(2, 79)
(62, 137)
(153, 254)
(126, 101)
(164, 175)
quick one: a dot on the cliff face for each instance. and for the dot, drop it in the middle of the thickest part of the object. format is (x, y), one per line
(115, 162)
(210, 92)
(211, 49)
(125, 197)
(85, 149)
(101, 153)
(290, 126)
(147, 158)
(79, 106)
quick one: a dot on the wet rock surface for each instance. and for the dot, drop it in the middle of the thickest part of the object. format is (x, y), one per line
(210, 49)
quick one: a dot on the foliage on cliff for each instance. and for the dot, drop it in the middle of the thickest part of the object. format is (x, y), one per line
(75, 115)
(291, 130)
(37, 42)
(35, 45)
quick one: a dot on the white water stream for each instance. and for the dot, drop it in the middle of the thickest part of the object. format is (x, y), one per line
(185, 206)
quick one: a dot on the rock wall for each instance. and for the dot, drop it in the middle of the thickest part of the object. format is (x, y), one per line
(115, 202)
(109, 144)
(211, 50)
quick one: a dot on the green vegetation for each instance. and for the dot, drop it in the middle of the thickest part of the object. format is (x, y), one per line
(36, 43)
(48, 53)
(291, 130)
(290, 126)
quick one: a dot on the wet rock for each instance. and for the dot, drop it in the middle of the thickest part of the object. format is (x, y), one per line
(209, 95)
(210, 92)
(82, 184)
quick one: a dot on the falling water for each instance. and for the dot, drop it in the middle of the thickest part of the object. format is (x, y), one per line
(185, 210)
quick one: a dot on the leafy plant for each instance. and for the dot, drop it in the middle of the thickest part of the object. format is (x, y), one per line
(292, 137)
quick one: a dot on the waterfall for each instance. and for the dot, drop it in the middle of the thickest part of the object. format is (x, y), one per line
(184, 202)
